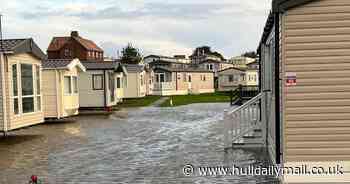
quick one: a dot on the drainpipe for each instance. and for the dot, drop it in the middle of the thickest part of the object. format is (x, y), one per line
(3, 86)
(176, 81)
(58, 94)
(138, 84)
(104, 88)
(277, 89)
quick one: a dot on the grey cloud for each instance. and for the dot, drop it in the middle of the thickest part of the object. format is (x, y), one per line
(164, 10)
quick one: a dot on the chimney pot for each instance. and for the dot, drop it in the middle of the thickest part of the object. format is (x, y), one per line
(74, 34)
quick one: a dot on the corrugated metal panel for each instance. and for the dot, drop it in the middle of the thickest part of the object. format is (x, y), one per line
(317, 110)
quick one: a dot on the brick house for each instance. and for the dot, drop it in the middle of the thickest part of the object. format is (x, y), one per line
(73, 47)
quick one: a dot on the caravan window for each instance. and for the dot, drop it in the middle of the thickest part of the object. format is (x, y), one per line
(67, 85)
(15, 88)
(75, 84)
(118, 83)
(27, 88)
(269, 57)
(97, 82)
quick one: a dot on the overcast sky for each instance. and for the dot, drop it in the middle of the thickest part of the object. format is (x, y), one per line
(164, 27)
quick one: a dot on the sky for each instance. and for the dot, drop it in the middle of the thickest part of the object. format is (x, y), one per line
(163, 27)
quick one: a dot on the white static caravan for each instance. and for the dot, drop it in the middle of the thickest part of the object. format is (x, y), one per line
(61, 94)
(102, 85)
(135, 83)
(20, 84)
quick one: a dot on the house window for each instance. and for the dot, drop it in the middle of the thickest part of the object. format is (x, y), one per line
(38, 87)
(118, 83)
(66, 52)
(27, 88)
(67, 85)
(230, 78)
(15, 89)
(97, 82)
(75, 84)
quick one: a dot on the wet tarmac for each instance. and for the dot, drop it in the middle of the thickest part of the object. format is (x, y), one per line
(137, 146)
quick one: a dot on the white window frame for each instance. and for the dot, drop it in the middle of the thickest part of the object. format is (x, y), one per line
(71, 81)
(102, 82)
(34, 90)
(36, 93)
(76, 90)
(13, 97)
(70, 85)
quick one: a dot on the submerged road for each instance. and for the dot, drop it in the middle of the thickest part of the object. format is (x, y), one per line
(137, 146)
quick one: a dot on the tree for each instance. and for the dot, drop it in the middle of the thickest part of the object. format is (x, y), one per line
(206, 50)
(131, 55)
(251, 54)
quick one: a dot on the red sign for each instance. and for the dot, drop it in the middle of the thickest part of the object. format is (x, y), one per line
(291, 79)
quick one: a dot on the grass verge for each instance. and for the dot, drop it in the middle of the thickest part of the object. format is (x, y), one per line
(139, 102)
(217, 97)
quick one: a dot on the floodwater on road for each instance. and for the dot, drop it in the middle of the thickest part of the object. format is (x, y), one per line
(137, 146)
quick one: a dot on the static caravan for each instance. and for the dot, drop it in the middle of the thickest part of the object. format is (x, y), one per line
(102, 85)
(61, 94)
(20, 84)
(231, 78)
(135, 83)
(305, 62)
(182, 81)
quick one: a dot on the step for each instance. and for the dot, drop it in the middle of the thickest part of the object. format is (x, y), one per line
(253, 139)
(246, 145)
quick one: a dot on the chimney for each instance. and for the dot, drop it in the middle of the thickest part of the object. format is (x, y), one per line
(74, 34)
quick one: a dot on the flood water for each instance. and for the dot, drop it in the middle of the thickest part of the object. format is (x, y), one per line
(137, 146)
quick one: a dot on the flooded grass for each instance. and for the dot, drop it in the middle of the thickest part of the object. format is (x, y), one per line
(218, 97)
(139, 102)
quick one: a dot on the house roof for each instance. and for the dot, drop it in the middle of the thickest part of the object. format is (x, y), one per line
(134, 68)
(283, 5)
(171, 69)
(58, 42)
(100, 65)
(64, 64)
(17, 46)
(233, 68)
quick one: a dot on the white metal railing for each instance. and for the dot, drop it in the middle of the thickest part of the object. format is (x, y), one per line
(242, 120)
(162, 86)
